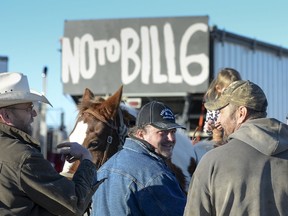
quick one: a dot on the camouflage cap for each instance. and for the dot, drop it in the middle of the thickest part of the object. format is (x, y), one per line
(240, 93)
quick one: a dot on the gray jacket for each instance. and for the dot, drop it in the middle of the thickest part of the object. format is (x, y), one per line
(29, 185)
(247, 176)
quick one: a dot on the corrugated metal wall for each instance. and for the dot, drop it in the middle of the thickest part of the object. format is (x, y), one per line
(263, 64)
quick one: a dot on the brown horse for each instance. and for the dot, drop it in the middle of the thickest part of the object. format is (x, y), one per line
(102, 128)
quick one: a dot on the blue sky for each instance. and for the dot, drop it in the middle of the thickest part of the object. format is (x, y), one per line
(30, 32)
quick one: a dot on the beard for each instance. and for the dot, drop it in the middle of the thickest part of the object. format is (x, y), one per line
(165, 150)
(27, 129)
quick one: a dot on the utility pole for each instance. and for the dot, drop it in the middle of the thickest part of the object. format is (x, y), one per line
(43, 109)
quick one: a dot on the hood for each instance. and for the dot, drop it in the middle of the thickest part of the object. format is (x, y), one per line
(267, 135)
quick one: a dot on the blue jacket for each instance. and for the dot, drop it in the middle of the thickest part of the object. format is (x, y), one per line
(138, 183)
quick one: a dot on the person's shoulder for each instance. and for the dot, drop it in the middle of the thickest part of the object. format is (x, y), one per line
(22, 149)
(223, 152)
(127, 159)
(203, 146)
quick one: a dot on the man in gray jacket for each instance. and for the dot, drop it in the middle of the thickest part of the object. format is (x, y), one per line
(29, 185)
(248, 175)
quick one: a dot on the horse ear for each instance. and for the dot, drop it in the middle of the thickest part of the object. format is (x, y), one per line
(88, 95)
(112, 103)
(85, 100)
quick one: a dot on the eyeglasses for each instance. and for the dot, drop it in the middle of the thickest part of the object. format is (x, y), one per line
(27, 109)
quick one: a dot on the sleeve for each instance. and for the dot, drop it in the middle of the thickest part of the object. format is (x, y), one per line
(163, 197)
(53, 192)
(210, 115)
(198, 198)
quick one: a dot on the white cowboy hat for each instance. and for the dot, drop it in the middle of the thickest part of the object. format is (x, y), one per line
(14, 89)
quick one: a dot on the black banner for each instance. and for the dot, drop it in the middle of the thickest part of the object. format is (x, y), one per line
(149, 56)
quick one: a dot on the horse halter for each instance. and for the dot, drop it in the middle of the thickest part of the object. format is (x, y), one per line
(121, 131)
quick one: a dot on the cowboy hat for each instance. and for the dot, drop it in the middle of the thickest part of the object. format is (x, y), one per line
(14, 89)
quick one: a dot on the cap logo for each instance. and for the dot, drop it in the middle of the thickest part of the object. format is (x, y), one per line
(167, 114)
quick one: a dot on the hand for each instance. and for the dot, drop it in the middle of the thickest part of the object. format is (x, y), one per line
(218, 126)
(73, 151)
(209, 125)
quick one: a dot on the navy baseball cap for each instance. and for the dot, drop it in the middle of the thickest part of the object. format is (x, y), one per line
(158, 115)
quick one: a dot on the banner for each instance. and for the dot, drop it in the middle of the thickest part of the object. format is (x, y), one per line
(149, 56)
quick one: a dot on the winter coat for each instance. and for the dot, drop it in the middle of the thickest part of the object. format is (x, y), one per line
(29, 185)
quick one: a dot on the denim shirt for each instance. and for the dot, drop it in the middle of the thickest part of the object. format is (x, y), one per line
(138, 182)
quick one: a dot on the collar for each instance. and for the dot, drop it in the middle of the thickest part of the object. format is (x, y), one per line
(15, 133)
(149, 148)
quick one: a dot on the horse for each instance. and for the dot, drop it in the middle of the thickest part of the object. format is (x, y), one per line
(184, 157)
(102, 126)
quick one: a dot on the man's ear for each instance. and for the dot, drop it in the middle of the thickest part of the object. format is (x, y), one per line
(4, 116)
(242, 114)
(140, 134)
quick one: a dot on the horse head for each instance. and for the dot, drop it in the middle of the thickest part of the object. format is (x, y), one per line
(101, 127)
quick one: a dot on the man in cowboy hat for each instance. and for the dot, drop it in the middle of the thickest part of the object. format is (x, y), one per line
(29, 185)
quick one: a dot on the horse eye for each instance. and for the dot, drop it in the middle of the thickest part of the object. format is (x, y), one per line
(93, 145)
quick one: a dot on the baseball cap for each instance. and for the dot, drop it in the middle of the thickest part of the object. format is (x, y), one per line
(240, 93)
(158, 115)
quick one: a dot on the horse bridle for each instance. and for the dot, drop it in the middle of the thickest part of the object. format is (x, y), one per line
(121, 131)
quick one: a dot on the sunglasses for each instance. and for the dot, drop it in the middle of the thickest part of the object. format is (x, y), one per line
(27, 109)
